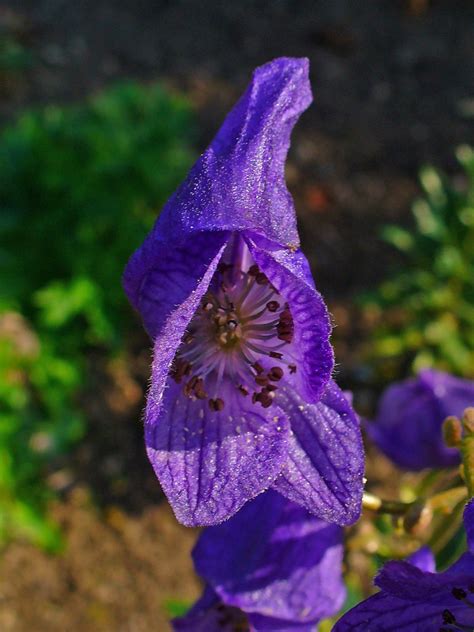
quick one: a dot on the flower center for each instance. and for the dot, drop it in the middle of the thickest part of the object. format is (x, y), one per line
(240, 336)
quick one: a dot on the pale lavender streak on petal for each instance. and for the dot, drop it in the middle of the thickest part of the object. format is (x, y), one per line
(312, 327)
(385, 613)
(239, 182)
(423, 559)
(210, 463)
(283, 562)
(325, 466)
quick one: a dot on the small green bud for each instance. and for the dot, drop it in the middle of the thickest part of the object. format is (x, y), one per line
(452, 432)
(468, 420)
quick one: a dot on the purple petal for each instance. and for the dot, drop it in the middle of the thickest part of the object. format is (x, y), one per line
(289, 274)
(469, 524)
(239, 183)
(165, 281)
(405, 581)
(410, 416)
(423, 559)
(325, 466)
(385, 613)
(211, 463)
(283, 562)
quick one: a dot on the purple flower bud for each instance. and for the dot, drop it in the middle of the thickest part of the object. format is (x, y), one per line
(408, 427)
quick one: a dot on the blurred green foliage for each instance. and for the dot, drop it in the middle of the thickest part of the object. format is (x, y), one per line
(14, 57)
(425, 312)
(79, 189)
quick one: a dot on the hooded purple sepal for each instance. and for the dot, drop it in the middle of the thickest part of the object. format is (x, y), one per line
(408, 427)
(276, 563)
(413, 599)
(238, 183)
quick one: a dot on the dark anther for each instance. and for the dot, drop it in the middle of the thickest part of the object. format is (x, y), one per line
(243, 390)
(459, 593)
(253, 270)
(264, 398)
(179, 369)
(275, 373)
(224, 267)
(292, 368)
(216, 404)
(261, 380)
(275, 354)
(261, 278)
(195, 388)
(258, 367)
(272, 306)
(199, 391)
(448, 616)
(188, 389)
(285, 327)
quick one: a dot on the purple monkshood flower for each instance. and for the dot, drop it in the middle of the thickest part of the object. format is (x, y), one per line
(240, 396)
(414, 598)
(273, 566)
(408, 427)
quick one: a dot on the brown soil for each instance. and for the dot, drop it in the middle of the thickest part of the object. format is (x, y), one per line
(117, 572)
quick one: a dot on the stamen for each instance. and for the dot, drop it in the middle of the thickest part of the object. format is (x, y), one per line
(216, 404)
(461, 595)
(273, 306)
(450, 620)
(276, 373)
(448, 617)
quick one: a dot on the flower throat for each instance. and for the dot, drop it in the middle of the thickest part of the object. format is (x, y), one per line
(240, 336)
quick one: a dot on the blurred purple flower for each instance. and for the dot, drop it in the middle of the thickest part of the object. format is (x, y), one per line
(408, 427)
(413, 598)
(241, 336)
(273, 566)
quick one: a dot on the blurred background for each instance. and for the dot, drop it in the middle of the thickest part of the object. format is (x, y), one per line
(104, 105)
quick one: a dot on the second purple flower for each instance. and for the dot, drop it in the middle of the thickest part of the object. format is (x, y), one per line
(241, 398)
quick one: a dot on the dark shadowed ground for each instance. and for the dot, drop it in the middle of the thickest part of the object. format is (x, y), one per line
(394, 88)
